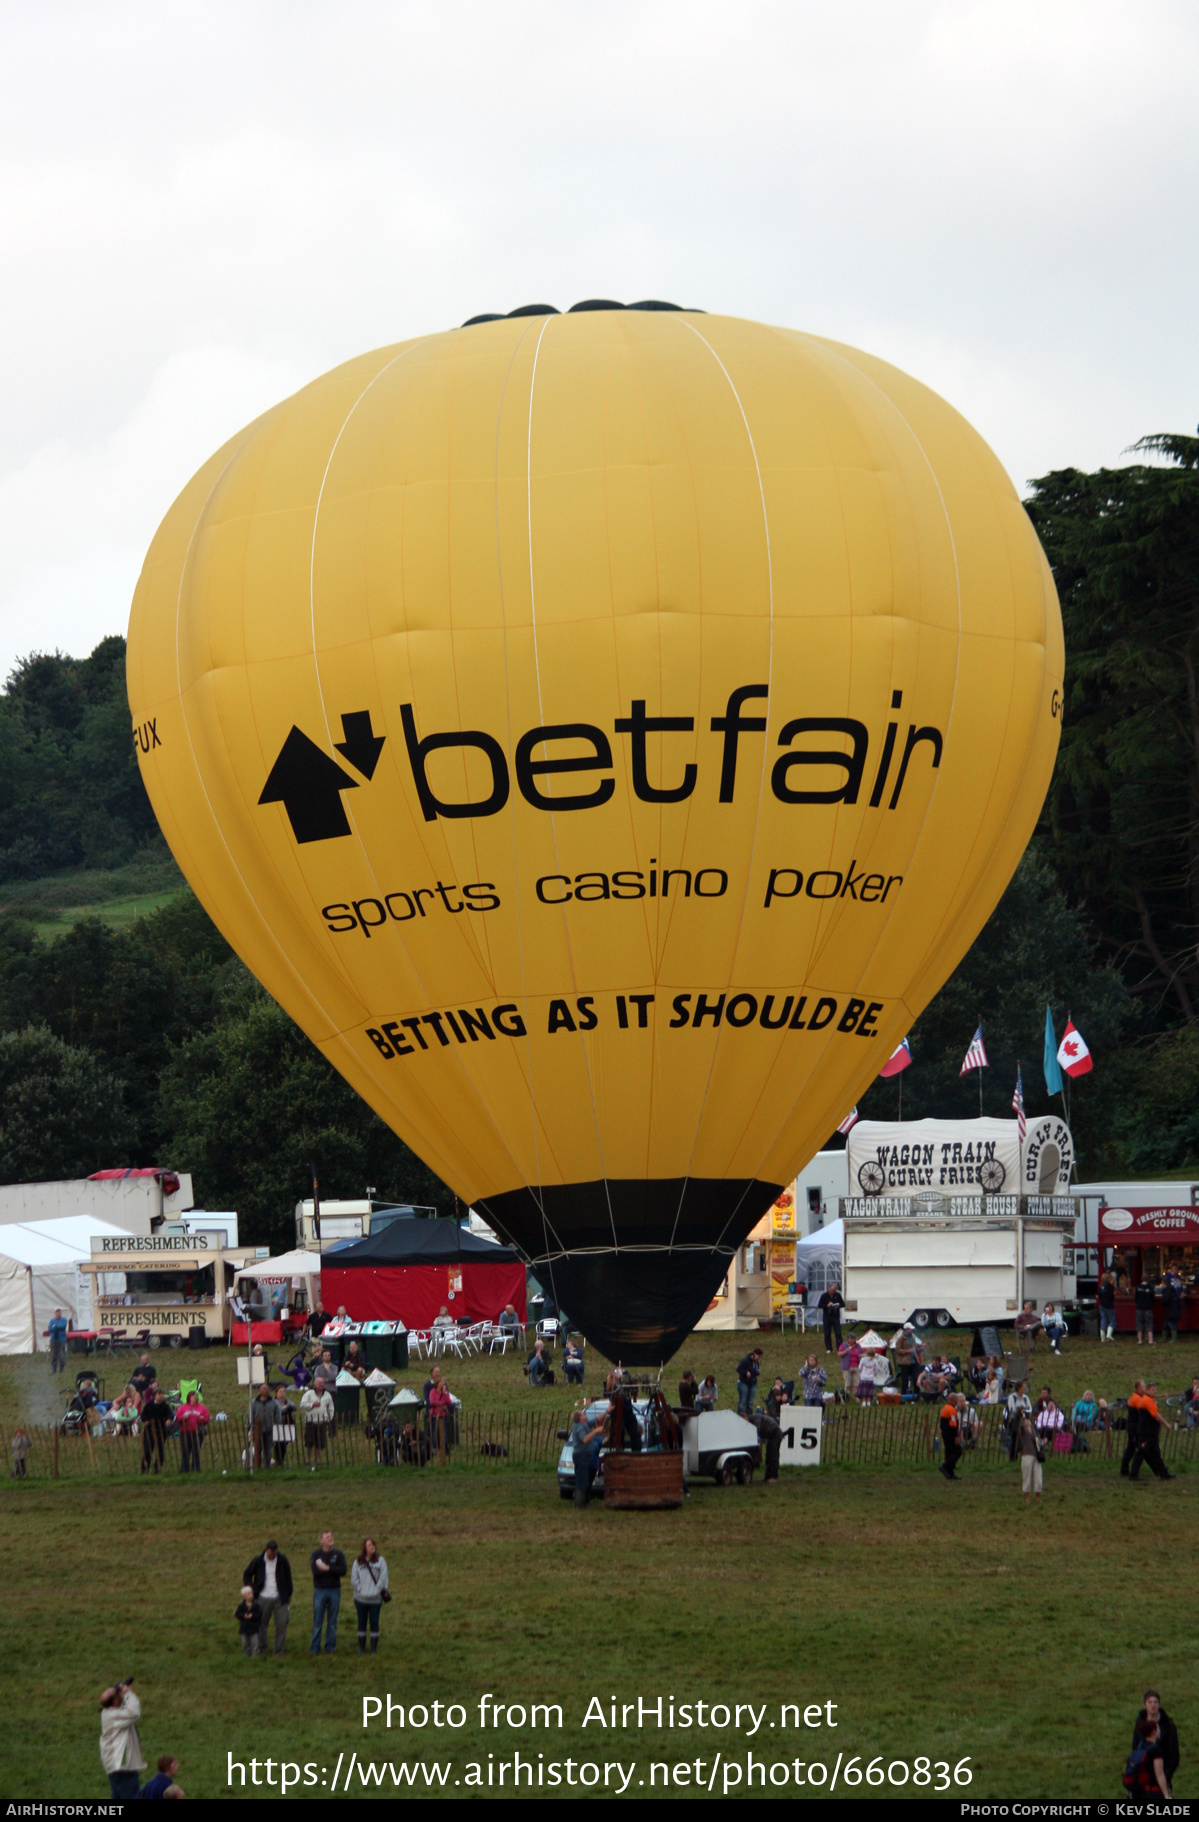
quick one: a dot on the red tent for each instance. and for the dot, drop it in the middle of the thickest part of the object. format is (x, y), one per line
(411, 1268)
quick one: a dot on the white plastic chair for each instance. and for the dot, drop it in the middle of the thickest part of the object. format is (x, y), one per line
(418, 1342)
(547, 1330)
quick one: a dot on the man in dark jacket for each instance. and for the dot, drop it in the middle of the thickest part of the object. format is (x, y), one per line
(747, 1380)
(830, 1304)
(1171, 1310)
(328, 1568)
(1143, 1299)
(1153, 1711)
(157, 1418)
(770, 1431)
(269, 1574)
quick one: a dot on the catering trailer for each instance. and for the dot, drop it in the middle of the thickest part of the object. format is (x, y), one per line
(956, 1261)
(158, 1289)
(1141, 1241)
(958, 1221)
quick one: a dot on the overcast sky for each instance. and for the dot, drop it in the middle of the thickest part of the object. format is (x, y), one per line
(203, 207)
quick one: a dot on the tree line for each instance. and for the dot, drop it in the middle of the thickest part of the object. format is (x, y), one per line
(152, 1044)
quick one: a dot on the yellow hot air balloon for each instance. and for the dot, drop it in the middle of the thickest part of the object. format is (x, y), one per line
(603, 733)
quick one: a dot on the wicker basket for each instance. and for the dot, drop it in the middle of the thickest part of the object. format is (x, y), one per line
(643, 1482)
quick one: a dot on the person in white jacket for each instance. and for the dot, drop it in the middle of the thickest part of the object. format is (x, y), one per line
(368, 1579)
(120, 1747)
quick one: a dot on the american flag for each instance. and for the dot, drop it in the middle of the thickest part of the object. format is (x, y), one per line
(851, 1119)
(1018, 1104)
(976, 1056)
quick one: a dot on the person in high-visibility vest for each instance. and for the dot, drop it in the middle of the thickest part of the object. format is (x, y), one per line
(1150, 1450)
(1132, 1446)
(951, 1433)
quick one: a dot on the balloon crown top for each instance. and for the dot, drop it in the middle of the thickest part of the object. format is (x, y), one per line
(589, 303)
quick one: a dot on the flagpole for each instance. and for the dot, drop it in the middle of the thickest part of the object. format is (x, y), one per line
(980, 1075)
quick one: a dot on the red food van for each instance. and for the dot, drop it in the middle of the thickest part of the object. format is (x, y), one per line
(1142, 1242)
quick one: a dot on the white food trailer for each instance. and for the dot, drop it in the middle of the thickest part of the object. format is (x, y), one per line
(164, 1286)
(958, 1223)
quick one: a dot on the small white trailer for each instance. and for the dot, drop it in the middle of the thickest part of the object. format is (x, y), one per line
(721, 1444)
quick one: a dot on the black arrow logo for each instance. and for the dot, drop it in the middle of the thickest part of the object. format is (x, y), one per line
(309, 785)
(361, 745)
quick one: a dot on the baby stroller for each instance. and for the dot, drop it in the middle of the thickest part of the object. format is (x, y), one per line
(83, 1399)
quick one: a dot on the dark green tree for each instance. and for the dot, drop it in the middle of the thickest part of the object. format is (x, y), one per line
(126, 995)
(1122, 814)
(250, 1104)
(73, 795)
(62, 1114)
(1034, 951)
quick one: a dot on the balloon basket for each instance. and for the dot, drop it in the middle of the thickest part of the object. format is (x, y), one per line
(643, 1482)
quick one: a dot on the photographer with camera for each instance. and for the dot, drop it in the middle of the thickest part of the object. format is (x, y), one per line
(120, 1747)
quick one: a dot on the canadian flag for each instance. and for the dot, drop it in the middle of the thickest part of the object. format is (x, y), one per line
(1072, 1052)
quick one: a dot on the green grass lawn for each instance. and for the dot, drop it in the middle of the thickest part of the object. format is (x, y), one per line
(115, 895)
(115, 912)
(944, 1621)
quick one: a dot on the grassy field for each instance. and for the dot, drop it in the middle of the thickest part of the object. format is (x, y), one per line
(944, 1621)
(114, 895)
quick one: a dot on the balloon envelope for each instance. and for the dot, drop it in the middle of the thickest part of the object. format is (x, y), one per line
(603, 733)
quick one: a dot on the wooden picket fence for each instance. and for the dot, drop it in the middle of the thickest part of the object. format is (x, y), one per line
(881, 1434)
(870, 1436)
(519, 1440)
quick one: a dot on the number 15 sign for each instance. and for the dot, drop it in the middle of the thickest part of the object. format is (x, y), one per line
(802, 1426)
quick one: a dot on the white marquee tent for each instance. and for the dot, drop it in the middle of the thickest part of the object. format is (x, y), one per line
(290, 1270)
(818, 1258)
(39, 1272)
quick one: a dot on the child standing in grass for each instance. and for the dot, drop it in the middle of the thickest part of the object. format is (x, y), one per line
(1031, 1453)
(248, 1615)
(21, 1445)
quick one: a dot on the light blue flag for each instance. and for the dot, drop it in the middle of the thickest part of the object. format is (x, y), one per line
(1053, 1075)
